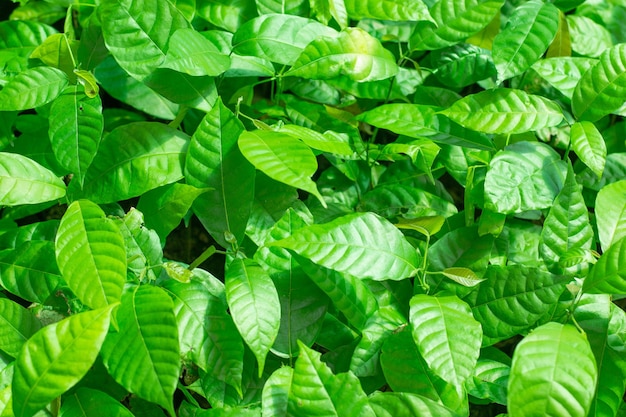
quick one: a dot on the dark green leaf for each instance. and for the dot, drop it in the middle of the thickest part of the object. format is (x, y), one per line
(86, 402)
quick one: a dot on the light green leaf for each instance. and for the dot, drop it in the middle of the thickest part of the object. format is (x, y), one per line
(491, 376)
(57, 357)
(447, 336)
(275, 397)
(610, 211)
(279, 38)
(463, 65)
(206, 332)
(455, 21)
(76, 125)
(31, 88)
(316, 391)
(254, 305)
(147, 328)
(87, 402)
(553, 373)
(281, 157)
(589, 38)
(329, 141)
(144, 254)
(227, 14)
(124, 168)
(91, 254)
(608, 275)
(17, 325)
(588, 144)
(512, 299)
(214, 161)
(18, 38)
(462, 275)
(137, 39)
(601, 89)
(563, 72)
(392, 404)
(505, 111)
(566, 228)
(524, 176)
(24, 181)
(393, 10)
(30, 270)
(354, 53)
(296, 8)
(526, 36)
(361, 244)
(191, 53)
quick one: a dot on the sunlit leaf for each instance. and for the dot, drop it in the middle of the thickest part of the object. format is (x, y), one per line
(87, 402)
(33, 87)
(393, 10)
(463, 65)
(24, 181)
(391, 404)
(191, 53)
(589, 146)
(611, 214)
(589, 38)
(17, 325)
(608, 275)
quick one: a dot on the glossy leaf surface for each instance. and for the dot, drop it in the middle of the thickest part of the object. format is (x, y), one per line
(610, 213)
(32, 88)
(17, 325)
(24, 181)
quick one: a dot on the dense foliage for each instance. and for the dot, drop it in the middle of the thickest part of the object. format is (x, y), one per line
(400, 207)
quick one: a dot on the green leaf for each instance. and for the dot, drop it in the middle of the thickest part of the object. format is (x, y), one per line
(206, 332)
(215, 161)
(30, 270)
(296, 8)
(316, 391)
(553, 373)
(394, 10)
(601, 89)
(588, 144)
(191, 53)
(279, 38)
(454, 21)
(144, 255)
(463, 276)
(491, 376)
(18, 39)
(163, 208)
(354, 53)
(195, 92)
(524, 176)
(329, 141)
(463, 65)
(139, 40)
(361, 244)
(610, 211)
(24, 181)
(124, 168)
(147, 328)
(566, 228)
(55, 358)
(31, 88)
(589, 38)
(391, 404)
(76, 125)
(281, 157)
(276, 392)
(91, 254)
(512, 299)
(254, 305)
(227, 14)
(87, 402)
(563, 73)
(608, 275)
(526, 36)
(447, 336)
(504, 111)
(17, 325)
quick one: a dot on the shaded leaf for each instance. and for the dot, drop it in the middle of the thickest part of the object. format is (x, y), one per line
(608, 275)
(390, 404)
(86, 402)
(17, 325)
(276, 392)
(191, 53)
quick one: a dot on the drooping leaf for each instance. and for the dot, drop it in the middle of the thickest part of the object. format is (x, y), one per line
(147, 328)
(124, 168)
(601, 89)
(215, 161)
(362, 244)
(447, 336)
(91, 254)
(31, 88)
(526, 36)
(87, 402)
(504, 111)
(512, 299)
(553, 373)
(55, 358)
(514, 175)
(610, 213)
(589, 146)
(17, 325)
(455, 21)
(191, 53)
(281, 157)
(316, 391)
(206, 332)
(566, 228)
(254, 305)
(393, 10)
(138, 39)
(279, 38)
(76, 125)
(390, 404)
(354, 53)
(24, 181)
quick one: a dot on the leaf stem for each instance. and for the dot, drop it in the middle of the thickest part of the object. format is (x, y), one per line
(203, 257)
